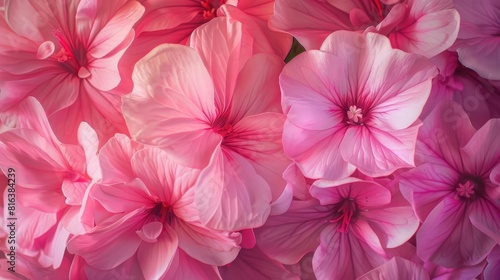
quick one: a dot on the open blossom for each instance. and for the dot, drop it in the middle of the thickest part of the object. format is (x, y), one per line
(148, 200)
(425, 27)
(65, 54)
(455, 190)
(215, 108)
(478, 42)
(50, 182)
(352, 219)
(353, 104)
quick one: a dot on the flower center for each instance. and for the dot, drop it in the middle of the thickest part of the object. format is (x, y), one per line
(354, 115)
(70, 59)
(222, 126)
(162, 212)
(469, 188)
(210, 8)
(344, 214)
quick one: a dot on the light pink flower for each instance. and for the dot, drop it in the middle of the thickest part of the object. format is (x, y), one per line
(425, 27)
(51, 179)
(352, 219)
(144, 209)
(218, 109)
(455, 190)
(66, 53)
(478, 42)
(353, 104)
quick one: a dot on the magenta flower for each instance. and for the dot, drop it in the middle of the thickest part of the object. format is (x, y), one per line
(147, 200)
(478, 42)
(425, 27)
(217, 109)
(455, 190)
(349, 228)
(353, 104)
(65, 54)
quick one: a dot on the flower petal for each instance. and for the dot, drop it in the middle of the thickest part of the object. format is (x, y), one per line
(155, 258)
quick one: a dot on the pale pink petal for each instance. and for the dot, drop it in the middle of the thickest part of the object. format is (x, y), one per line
(316, 152)
(257, 89)
(187, 95)
(123, 197)
(379, 153)
(162, 15)
(342, 256)
(116, 29)
(484, 215)
(448, 238)
(88, 140)
(155, 258)
(397, 268)
(301, 225)
(74, 191)
(230, 195)
(282, 203)
(258, 139)
(207, 245)
(296, 180)
(107, 246)
(428, 185)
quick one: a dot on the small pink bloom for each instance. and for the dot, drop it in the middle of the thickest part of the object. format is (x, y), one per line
(425, 27)
(66, 53)
(478, 42)
(147, 200)
(453, 190)
(356, 106)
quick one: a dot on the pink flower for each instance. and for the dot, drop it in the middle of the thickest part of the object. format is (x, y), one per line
(455, 191)
(352, 219)
(51, 179)
(175, 20)
(478, 42)
(218, 109)
(353, 104)
(144, 210)
(425, 27)
(66, 54)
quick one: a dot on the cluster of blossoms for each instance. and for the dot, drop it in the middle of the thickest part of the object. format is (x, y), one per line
(198, 139)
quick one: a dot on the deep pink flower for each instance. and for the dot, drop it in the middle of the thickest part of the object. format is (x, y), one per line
(51, 179)
(455, 190)
(353, 104)
(144, 210)
(425, 27)
(218, 109)
(478, 42)
(66, 53)
(353, 220)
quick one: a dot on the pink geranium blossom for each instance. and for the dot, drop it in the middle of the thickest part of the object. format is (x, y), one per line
(51, 180)
(353, 104)
(478, 42)
(148, 201)
(66, 53)
(455, 189)
(348, 226)
(425, 27)
(215, 106)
